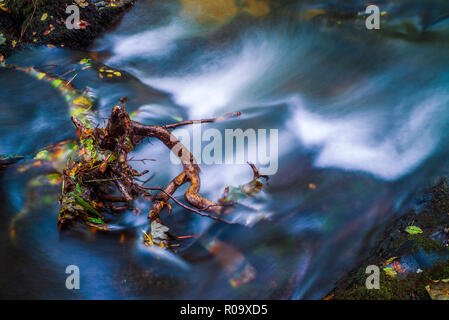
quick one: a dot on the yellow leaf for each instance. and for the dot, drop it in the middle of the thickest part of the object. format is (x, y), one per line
(82, 100)
(44, 16)
(148, 237)
(390, 260)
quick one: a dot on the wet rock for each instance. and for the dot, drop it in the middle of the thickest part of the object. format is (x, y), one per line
(44, 22)
(408, 263)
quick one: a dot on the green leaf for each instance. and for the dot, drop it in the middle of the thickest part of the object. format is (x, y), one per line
(56, 83)
(42, 155)
(53, 176)
(95, 220)
(35, 182)
(2, 39)
(47, 199)
(413, 230)
(89, 144)
(78, 189)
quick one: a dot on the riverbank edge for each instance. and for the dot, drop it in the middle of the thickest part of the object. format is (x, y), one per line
(425, 243)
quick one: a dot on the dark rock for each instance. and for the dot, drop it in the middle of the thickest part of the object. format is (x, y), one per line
(23, 23)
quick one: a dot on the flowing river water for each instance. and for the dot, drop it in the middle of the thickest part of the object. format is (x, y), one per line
(362, 127)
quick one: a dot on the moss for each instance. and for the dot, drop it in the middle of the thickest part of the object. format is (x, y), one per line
(427, 244)
(415, 243)
(440, 199)
(393, 288)
(396, 242)
(438, 272)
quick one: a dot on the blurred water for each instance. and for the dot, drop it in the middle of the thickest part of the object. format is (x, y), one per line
(362, 126)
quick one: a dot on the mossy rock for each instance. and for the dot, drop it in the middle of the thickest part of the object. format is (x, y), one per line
(411, 287)
(395, 241)
(42, 22)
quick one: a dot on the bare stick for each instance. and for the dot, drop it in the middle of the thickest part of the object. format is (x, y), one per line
(187, 207)
(184, 123)
(123, 190)
(257, 175)
(112, 199)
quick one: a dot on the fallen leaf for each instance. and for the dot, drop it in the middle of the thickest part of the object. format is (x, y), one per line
(398, 267)
(3, 6)
(158, 234)
(103, 167)
(95, 220)
(42, 155)
(413, 230)
(148, 238)
(83, 24)
(390, 272)
(390, 260)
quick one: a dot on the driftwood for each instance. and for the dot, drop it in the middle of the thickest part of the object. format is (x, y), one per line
(102, 163)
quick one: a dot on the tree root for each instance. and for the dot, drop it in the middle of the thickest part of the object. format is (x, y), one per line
(102, 163)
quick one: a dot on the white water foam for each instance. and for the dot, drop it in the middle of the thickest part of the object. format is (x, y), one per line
(232, 81)
(152, 43)
(355, 142)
